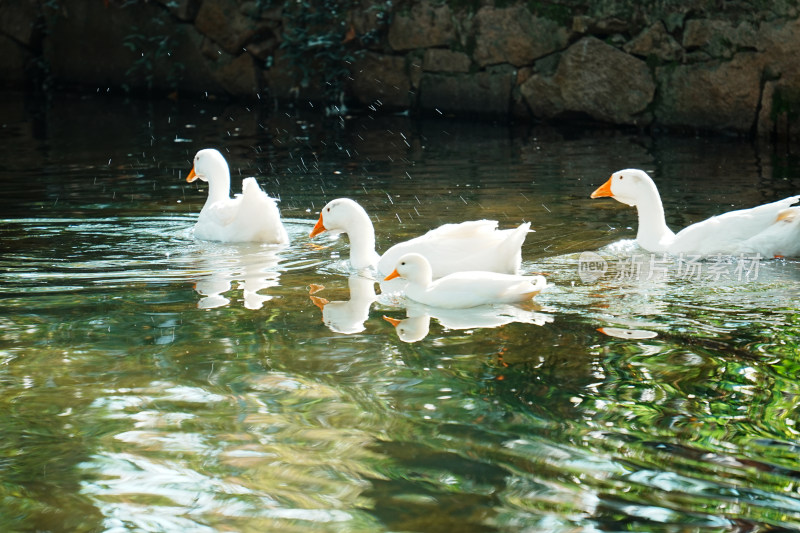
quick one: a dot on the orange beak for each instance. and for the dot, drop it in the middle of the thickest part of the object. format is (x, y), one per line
(603, 190)
(318, 227)
(313, 288)
(319, 302)
(394, 274)
(191, 177)
(392, 321)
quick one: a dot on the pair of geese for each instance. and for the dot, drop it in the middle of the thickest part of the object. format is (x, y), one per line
(475, 263)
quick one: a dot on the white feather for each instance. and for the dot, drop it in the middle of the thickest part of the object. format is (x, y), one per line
(252, 216)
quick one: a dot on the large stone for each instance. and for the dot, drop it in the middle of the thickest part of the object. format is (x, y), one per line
(655, 41)
(543, 96)
(223, 22)
(779, 37)
(599, 26)
(444, 60)
(482, 93)
(718, 38)
(604, 82)
(424, 25)
(514, 35)
(239, 75)
(382, 79)
(779, 42)
(719, 95)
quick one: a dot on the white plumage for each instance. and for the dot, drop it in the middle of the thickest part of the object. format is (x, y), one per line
(248, 217)
(771, 230)
(473, 245)
(462, 289)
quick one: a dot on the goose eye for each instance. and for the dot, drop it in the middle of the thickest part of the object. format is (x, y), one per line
(329, 210)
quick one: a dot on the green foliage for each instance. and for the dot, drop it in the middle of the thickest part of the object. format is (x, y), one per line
(153, 50)
(316, 40)
(470, 6)
(558, 12)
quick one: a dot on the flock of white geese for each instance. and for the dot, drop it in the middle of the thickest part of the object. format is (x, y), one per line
(473, 263)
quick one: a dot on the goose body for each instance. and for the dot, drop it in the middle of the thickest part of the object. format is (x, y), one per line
(770, 230)
(461, 290)
(473, 245)
(252, 216)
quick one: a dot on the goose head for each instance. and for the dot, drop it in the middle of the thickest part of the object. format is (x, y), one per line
(414, 268)
(628, 186)
(342, 214)
(208, 164)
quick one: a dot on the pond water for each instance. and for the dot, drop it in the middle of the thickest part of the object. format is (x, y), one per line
(153, 382)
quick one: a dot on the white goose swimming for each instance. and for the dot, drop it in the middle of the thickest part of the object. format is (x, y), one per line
(248, 217)
(473, 245)
(771, 230)
(461, 290)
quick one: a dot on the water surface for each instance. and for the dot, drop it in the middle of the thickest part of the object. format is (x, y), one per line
(153, 382)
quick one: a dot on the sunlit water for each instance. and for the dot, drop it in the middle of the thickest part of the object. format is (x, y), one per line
(153, 382)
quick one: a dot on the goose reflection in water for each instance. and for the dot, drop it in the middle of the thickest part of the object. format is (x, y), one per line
(416, 325)
(348, 316)
(252, 268)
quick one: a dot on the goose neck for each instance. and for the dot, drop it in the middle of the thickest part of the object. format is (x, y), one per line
(219, 188)
(653, 233)
(362, 243)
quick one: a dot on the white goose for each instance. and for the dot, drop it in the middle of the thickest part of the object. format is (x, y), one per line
(461, 290)
(248, 217)
(473, 245)
(771, 230)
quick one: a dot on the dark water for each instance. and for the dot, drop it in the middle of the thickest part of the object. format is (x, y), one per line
(151, 382)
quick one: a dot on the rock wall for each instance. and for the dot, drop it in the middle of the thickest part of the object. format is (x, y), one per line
(699, 64)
